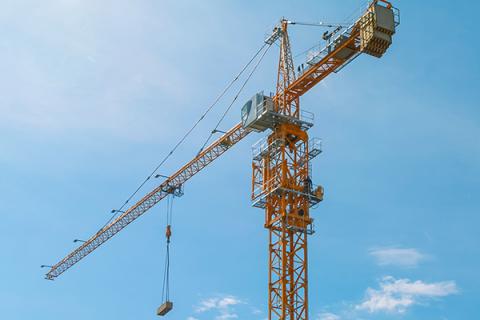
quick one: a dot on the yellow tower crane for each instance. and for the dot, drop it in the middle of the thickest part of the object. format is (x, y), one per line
(281, 183)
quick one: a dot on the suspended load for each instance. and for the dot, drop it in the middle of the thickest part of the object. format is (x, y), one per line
(377, 27)
(167, 305)
(164, 308)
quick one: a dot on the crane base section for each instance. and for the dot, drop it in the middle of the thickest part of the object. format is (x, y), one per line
(165, 308)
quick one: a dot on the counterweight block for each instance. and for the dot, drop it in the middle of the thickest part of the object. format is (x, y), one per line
(377, 26)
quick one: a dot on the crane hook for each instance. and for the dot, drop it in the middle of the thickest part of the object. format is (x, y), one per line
(168, 233)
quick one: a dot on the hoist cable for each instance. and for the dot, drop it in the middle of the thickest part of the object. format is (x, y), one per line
(169, 218)
(166, 276)
(235, 98)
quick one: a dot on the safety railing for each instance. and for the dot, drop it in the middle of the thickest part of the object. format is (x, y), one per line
(312, 192)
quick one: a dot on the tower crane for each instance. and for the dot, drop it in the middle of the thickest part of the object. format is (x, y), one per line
(281, 169)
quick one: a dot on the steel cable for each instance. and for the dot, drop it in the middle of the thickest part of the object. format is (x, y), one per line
(215, 130)
(166, 272)
(185, 136)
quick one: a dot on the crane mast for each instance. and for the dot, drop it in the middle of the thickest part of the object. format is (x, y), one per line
(281, 171)
(284, 170)
(281, 186)
(281, 165)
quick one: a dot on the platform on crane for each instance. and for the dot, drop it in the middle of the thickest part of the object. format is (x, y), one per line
(315, 146)
(263, 148)
(347, 53)
(258, 114)
(314, 193)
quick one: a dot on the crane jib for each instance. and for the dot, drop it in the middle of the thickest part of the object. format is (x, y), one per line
(203, 159)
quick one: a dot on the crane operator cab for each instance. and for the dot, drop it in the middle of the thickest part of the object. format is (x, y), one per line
(257, 113)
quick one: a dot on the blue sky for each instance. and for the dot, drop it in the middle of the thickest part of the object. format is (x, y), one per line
(94, 93)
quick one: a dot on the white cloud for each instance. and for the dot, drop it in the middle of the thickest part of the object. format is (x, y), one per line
(223, 306)
(407, 257)
(256, 311)
(328, 316)
(398, 295)
(192, 318)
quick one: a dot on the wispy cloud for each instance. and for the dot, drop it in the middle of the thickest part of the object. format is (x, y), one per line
(222, 306)
(397, 296)
(402, 257)
(256, 311)
(328, 316)
(74, 67)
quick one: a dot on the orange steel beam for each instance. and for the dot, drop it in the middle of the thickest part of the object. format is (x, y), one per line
(202, 160)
